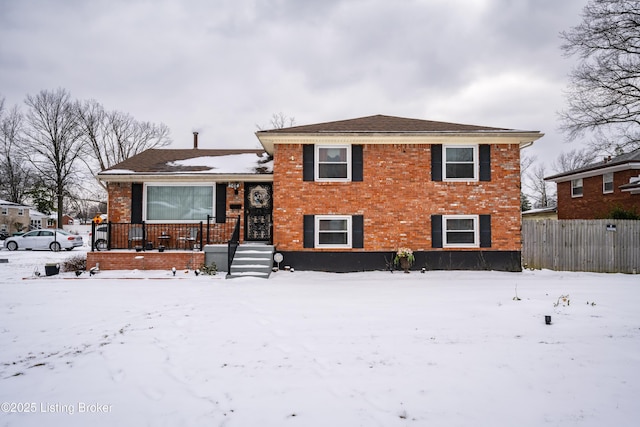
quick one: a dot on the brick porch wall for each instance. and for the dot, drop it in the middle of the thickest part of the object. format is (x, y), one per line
(130, 260)
(594, 204)
(397, 198)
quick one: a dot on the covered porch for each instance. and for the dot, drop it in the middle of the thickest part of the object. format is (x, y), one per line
(155, 246)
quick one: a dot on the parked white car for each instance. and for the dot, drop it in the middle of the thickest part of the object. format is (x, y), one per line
(47, 239)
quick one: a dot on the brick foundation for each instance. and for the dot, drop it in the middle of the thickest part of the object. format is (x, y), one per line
(130, 260)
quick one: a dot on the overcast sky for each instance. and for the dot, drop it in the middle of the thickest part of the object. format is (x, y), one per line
(221, 67)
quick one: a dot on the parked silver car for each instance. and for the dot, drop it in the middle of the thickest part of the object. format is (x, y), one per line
(51, 239)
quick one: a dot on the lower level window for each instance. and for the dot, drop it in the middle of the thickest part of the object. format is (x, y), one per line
(333, 231)
(179, 203)
(460, 231)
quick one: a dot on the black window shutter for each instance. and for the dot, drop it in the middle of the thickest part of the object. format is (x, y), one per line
(308, 164)
(436, 231)
(357, 238)
(356, 163)
(436, 163)
(485, 162)
(136, 203)
(309, 231)
(485, 231)
(221, 203)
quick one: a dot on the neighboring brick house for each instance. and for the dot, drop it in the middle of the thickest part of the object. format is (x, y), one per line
(345, 195)
(593, 191)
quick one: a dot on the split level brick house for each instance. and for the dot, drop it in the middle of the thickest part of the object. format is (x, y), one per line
(596, 190)
(345, 195)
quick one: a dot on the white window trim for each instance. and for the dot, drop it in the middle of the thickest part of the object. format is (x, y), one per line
(349, 231)
(604, 191)
(476, 163)
(5, 211)
(175, 184)
(316, 166)
(20, 212)
(574, 187)
(476, 231)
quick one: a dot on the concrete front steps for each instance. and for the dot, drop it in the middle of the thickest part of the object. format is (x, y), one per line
(252, 260)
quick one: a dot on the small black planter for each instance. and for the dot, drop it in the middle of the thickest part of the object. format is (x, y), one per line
(547, 320)
(51, 269)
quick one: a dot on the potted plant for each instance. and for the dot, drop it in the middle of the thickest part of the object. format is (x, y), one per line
(404, 258)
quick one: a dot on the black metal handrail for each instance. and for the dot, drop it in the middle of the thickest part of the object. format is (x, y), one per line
(149, 236)
(233, 244)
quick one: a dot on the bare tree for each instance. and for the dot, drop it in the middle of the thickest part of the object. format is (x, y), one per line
(574, 159)
(111, 137)
(14, 169)
(53, 140)
(540, 190)
(279, 121)
(604, 90)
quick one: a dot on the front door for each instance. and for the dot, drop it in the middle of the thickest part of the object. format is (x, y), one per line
(258, 202)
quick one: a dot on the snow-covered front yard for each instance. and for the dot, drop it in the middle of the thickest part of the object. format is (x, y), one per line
(317, 349)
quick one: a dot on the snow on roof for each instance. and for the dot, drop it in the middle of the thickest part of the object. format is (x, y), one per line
(117, 171)
(229, 164)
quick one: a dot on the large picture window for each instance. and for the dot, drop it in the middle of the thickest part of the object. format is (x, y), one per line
(460, 163)
(333, 163)
(333, 231)
(460, 231)
(169, 203)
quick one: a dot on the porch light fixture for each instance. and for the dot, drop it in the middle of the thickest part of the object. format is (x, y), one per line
(235, 186)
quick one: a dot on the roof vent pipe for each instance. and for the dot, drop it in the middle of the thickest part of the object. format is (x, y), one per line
(195, 140)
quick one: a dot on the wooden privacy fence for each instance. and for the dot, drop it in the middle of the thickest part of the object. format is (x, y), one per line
(601, 245)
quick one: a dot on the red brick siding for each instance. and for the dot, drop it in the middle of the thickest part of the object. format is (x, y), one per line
(594, 204)
(131, 260)
(119, 203)
(397, 197)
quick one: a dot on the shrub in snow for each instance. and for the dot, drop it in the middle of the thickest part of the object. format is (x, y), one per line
(210, 270)
(75, 263)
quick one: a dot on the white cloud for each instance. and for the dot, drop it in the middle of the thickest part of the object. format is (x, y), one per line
(224, 67)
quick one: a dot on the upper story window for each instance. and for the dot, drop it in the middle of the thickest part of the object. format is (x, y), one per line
(607, 183)
(460, 163)
(576, 187)
(460, 231)
(20, 212)
(169, 203)
(5, 211)
(333, 163)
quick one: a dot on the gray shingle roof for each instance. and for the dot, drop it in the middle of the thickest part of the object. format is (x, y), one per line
(383, 124)
(631, 157)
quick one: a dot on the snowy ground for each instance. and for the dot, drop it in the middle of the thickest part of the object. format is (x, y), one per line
(316, 349)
